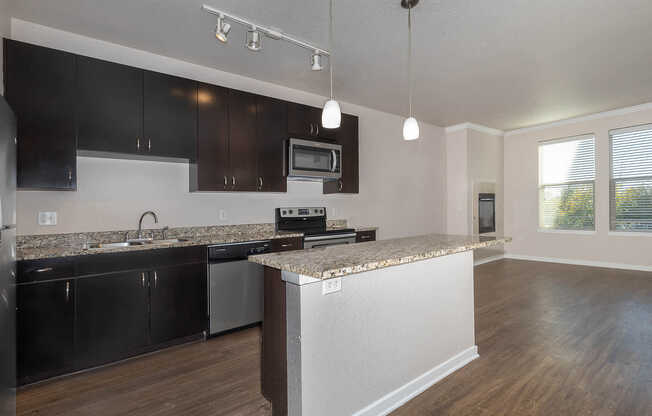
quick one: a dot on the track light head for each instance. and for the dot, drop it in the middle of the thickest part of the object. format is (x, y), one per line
(254, 40)
(315, 62)
(222, 30)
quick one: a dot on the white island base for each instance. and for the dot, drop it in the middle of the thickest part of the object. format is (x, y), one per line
(382, 339)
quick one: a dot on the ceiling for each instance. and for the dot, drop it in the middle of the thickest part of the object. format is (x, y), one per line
(505, 64)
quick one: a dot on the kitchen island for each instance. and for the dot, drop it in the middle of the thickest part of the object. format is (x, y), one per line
(360, 329)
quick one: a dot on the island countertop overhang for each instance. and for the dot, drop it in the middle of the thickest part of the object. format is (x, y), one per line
(342, 260)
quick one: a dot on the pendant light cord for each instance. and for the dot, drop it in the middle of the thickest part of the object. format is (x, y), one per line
(410, 55)
(330, 40)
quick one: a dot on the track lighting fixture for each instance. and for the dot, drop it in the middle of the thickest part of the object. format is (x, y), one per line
(315, 62)
(254, 40)
(222, 29)
(410, 125)
(255, 33)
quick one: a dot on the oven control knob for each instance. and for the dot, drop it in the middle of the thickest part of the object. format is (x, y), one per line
(284, 212)
(290, 211)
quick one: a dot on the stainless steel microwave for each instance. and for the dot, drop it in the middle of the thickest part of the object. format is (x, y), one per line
(309, 159)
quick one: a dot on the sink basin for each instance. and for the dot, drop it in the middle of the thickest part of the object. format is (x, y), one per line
(116, 245)
(134, 243)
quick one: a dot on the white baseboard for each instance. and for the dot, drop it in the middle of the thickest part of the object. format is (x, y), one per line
(405, 393)
(590, 263)
(488, 259)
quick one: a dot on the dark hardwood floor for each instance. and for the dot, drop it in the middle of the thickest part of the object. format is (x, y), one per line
(553, 339)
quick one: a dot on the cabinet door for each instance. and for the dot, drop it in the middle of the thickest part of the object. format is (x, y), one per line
(112, 317)
(41, 90)
(109, 107)
(170, 111)
(272, 135)
(243, 150)
(347, 136)
(305, 122)
(178, 302)
(45, 329)
(210, 172)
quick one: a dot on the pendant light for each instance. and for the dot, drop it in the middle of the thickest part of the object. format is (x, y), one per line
(410, 125)
(331, 116)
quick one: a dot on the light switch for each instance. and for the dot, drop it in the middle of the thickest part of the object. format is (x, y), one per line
(47, 218)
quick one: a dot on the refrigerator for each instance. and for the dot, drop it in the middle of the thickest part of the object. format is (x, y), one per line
(7, 260)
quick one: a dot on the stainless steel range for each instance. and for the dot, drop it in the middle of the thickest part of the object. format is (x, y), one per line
(311, 221)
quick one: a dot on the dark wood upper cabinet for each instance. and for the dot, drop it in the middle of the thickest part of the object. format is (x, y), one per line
(347, 136)
(45, 329)
(178, 302)
(243, 151)
(40, 88)
(304, 122)
(170, 116)
(112, 317)
(109, 107)
(210, 170)
(272, 135)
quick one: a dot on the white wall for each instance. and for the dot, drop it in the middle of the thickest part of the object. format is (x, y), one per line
(401, 183)
(457, 183)
(5, 30)
(521, 196)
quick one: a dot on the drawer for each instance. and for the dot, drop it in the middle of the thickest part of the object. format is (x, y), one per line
(46, 269)
(287, 244)
(364, 236)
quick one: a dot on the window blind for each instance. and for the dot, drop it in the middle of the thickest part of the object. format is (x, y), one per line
(631, 179)
(566, 184)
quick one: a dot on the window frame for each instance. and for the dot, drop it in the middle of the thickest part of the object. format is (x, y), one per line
(612, 199)
(540, 187)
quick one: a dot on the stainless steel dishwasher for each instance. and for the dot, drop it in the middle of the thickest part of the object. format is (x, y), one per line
(235, 285)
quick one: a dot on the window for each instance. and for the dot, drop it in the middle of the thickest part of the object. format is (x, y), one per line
(631, 179)
(566, 184)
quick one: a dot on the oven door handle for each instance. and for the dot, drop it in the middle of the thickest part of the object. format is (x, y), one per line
(330, 237)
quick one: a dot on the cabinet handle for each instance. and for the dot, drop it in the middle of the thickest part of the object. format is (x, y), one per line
(155, 280)
(67, 292)
(260, 179)
(312, 128)
(142, 279)
(317, 125)
(226, 181)
(365, 237)
(149, 144)
(69, 175)
(43, 270)
(137, 144)
(233, 179)
(286, 245)
(340, 184)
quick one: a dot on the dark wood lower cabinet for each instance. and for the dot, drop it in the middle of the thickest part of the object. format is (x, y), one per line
(45, 329)
(178, 302)
(274, 350)
(112, 317)
(113, 306)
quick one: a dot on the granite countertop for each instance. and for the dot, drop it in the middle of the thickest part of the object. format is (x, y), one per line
(35, 247)
(342, 260)
(202, 240)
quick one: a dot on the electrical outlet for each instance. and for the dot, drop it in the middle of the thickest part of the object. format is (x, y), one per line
(222, 215)
(47, 218)
(331, 285)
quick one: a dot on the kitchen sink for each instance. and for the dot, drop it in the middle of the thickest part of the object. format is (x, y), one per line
(134, 243)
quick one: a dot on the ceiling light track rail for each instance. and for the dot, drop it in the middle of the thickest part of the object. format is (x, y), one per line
(267, 31)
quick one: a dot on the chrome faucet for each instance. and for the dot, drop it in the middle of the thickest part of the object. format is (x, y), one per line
(140, 223)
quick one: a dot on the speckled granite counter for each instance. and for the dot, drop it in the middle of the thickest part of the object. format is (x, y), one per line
(33, 247)
(342, 260)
